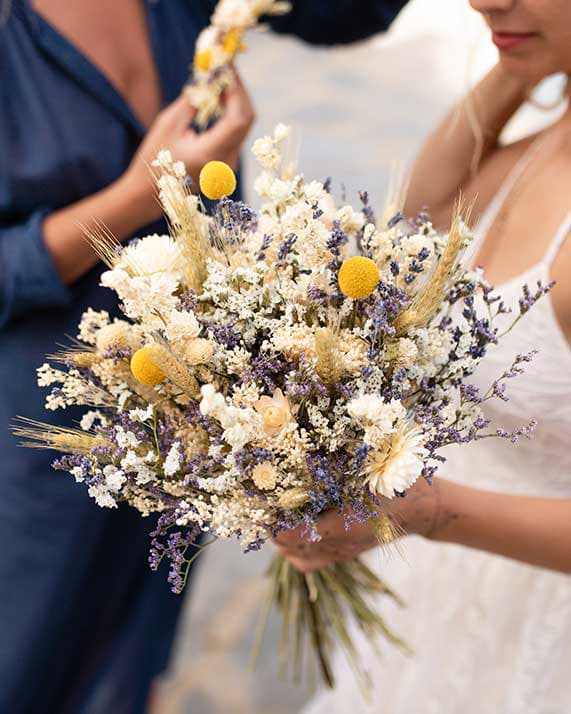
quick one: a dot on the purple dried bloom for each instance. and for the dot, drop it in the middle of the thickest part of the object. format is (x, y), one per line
(187, 301)
(470, 393)
(285, 247)
(367, 210)
(266, 242)
(395, 220)
(224, 334)
(528, 299)
(337, 239)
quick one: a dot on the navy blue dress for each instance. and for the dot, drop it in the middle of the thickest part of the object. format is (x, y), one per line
(85, 626)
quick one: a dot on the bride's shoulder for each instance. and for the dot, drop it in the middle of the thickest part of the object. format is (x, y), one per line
(499, 164)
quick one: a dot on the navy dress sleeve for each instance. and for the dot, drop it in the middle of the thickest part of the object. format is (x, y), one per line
(29, 279)
(85, 625)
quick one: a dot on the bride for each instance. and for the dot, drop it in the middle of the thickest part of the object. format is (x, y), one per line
(486, 569)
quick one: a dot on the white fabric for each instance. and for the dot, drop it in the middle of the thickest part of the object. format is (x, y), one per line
(492, 636)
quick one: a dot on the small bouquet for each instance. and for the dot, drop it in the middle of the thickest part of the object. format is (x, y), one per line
(216, 49)
(272, 365)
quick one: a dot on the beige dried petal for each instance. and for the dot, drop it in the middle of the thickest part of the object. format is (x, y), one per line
(198, 351)
(294, 498)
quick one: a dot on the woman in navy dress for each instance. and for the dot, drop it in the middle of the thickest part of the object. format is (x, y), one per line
(88, 92)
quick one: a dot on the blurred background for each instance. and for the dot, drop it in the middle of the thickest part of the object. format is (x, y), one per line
(356, 110)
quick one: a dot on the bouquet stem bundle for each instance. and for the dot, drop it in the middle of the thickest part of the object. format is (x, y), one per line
(316, 609)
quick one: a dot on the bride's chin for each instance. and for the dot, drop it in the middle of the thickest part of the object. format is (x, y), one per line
(529, 71)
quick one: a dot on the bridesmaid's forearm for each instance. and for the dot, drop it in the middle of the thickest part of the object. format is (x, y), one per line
(533, 530)
(122, 208)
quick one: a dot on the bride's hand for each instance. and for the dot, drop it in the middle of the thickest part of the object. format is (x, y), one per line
(416, 513)
(337, 543)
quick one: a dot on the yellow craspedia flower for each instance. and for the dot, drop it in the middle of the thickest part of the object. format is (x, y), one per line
(203, 60)
(144, 367)
(358, 277)
(216, 180)
(232, 42)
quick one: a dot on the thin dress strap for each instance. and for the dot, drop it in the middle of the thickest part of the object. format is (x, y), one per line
(491, 212)
(558, 240)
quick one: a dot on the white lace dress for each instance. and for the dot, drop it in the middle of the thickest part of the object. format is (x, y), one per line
(492, 636)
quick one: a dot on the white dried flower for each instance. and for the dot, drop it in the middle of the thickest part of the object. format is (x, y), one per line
(396, 463)
(265, 476)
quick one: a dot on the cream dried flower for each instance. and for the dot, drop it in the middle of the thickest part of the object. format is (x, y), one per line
(198, 351)
(118, 335)
(275, 412)
(265, 476)
(293, 498)
(396, 463)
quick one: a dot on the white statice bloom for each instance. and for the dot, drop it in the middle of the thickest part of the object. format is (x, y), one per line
(236, 361)
(373, 409)
(413, 244)
(153, 254)
(221, 483)
(351, 221)
(142, 415)
(89, 419)
(91, 323)
(381, 246)
(246, 395)
(263, 184)
(267, 153)
(281, 132)
(434, 347)
(353, 352)
(243, 14)
(143, 297)
(293, 339)
(396, 463)
(122, 394)
(329, 210)
(173, 460)
(321, 425)
(208, 39)
(181, 327)
(282, 190)
(133, 463)
(77, 473)
(167, 164)
(407, 352)
(102, 496)
(125, 439)
(314, 192)
(241, 426)
(114, 477)
(47, 375)
(212, 402)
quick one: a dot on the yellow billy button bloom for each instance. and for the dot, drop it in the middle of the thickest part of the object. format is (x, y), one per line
(232, 42)
(216, 180)
(203, 60)
(358, 277)
(144, 367)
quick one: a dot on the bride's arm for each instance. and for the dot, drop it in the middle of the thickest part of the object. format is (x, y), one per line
(471, 129)
(533, 530)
